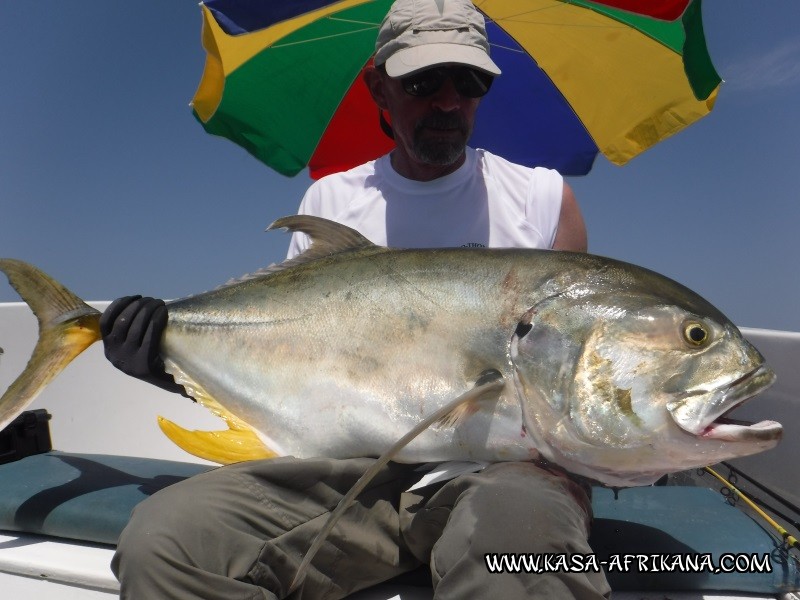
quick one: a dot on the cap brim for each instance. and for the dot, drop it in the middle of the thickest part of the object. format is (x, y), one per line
(409, 60)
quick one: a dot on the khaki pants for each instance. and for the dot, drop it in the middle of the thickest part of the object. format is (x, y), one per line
(239, 532)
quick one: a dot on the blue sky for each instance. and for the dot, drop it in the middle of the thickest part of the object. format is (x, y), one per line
(109, 184)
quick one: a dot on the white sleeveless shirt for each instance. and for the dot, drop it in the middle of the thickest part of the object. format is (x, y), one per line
(487, 202)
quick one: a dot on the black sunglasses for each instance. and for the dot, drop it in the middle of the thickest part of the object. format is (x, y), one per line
(470, 83)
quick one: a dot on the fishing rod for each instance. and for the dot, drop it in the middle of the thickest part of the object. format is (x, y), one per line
(732, 499)
(793, 507)
(788, 538)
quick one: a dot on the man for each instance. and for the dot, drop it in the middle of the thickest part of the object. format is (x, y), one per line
(240, 531)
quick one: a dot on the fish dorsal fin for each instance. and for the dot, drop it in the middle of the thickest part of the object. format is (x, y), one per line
(327, 237)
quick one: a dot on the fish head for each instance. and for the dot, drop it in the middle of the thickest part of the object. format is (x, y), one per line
(626, 387)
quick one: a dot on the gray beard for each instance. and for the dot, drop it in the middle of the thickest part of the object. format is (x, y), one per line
(438, 151)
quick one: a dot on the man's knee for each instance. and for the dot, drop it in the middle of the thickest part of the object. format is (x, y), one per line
(148, 539)
(177, 544)
(512, 507)
(525, 495)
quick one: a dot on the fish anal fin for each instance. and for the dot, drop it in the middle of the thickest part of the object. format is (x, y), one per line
(236, 444)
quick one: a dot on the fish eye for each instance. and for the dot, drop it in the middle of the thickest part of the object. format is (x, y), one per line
(695, 334)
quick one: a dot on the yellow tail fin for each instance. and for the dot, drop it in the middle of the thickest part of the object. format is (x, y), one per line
(67, 326)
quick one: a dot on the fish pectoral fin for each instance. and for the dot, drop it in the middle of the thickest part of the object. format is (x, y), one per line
(237, 444)
(487, 387)
(457, 416)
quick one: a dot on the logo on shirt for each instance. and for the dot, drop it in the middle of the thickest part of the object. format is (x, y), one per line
(473, 245)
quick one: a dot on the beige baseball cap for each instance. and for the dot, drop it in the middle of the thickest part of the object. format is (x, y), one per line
(418, 34)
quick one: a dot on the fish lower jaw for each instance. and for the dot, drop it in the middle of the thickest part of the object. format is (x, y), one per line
(729, 430)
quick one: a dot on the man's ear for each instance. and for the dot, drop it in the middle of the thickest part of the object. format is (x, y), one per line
(376, 85)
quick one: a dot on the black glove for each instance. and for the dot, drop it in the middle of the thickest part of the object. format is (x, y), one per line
(131, 328)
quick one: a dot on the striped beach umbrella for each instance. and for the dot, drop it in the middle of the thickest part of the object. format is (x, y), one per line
(580, 77)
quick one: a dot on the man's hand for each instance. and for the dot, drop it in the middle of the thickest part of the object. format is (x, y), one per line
(131, 328)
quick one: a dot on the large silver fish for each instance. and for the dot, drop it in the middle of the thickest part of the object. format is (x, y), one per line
(609, 370)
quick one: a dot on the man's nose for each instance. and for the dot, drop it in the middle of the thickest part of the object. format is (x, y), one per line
(447, 98)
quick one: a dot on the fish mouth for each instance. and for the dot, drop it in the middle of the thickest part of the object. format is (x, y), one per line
(703, 413)
(733, 430)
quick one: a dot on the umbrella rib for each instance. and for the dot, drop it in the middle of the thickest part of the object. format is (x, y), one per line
(548, 8)
(509, 48)
(332, 18)
(324, 37)
(526, 12)
(612, 25)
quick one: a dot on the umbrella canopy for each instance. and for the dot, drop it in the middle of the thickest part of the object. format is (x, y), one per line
(283, 80)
